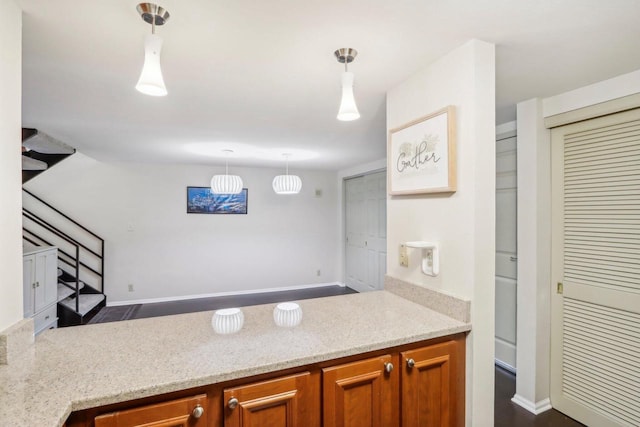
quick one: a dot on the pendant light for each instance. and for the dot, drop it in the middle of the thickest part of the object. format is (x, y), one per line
(151, 81)
(348, 109)
(226, 184)
(287, 184)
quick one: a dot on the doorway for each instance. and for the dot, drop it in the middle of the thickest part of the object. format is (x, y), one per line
(366, 231)
(506, 249)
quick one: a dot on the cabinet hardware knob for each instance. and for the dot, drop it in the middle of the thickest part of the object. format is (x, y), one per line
(411, 363)
(33, 285)
(388, 367)
(197, 411)
(233, 403)
(37, 284)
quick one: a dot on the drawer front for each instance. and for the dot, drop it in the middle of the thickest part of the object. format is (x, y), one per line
(187, 412)
(51, 325)
(45, 317)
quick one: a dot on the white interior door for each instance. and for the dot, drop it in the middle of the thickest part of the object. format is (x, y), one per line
(366, 231)
(506, 256)
(595, 348)
(355, 227)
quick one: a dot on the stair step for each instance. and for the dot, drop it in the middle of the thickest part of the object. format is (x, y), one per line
(87, 302)
(64, 292)
(73, 284)
(45, 144)
(29, 164)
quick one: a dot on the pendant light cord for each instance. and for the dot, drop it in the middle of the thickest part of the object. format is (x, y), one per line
(153, 19)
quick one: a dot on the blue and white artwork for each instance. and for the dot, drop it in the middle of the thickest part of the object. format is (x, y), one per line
(203, 200)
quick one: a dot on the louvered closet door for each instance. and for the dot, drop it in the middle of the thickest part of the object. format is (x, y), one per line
(595, 349)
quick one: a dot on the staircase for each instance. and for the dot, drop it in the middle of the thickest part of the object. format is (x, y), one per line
(80, 251)
(40, 152)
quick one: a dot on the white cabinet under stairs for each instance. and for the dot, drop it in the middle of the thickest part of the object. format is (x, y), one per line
(40, 287)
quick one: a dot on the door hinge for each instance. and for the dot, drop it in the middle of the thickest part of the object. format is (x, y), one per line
(559, 288)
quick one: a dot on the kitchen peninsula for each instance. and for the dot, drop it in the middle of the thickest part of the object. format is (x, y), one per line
(100, 366)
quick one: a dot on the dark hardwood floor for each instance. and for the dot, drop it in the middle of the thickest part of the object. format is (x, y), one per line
(507, 413)
(139, 311)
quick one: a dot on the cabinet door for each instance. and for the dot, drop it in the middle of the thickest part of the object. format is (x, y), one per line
(283, 402)
(361, 394)
(433, 385)
(186, 412)
(46, 279)
(28, 283)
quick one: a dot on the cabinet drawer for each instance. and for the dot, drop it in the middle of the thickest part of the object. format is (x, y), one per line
(189, 411)
(44, 318)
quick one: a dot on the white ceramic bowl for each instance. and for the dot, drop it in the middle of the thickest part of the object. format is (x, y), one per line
(227, 320)
(287, 314)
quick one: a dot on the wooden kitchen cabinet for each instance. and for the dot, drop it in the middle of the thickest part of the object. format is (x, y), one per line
(289, 401)
(185, 412)
(362, 393)
(433, 385)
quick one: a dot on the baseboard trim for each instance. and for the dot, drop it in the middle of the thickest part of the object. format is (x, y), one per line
(535, 408)
(222, 294)
(505, 366)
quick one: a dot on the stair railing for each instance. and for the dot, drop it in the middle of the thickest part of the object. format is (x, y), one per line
(74, 261)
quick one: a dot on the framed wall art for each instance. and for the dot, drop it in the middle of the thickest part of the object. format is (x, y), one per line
(202, 200)
(421, 155)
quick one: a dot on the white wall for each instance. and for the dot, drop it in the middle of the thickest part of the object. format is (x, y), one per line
(464, 222)
(282, 241)
(617, 87)
(534, 246)
(534, 215)
(10, 163)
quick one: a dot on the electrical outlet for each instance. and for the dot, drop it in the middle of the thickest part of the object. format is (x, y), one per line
(130, 287)
(404, 257)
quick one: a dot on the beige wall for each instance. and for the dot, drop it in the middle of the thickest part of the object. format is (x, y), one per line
(464, 222)
(10, 166)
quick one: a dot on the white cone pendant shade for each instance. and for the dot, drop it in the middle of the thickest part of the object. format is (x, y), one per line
(226, 184)
(348, 109)
(151, 81)
(287, 184)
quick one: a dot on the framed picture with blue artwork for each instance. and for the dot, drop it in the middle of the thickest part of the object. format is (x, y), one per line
(201, 200)
(421, 155)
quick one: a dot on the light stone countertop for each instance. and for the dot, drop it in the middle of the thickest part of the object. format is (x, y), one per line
(70, 369)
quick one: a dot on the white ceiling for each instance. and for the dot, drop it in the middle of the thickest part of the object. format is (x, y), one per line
(260, 76)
